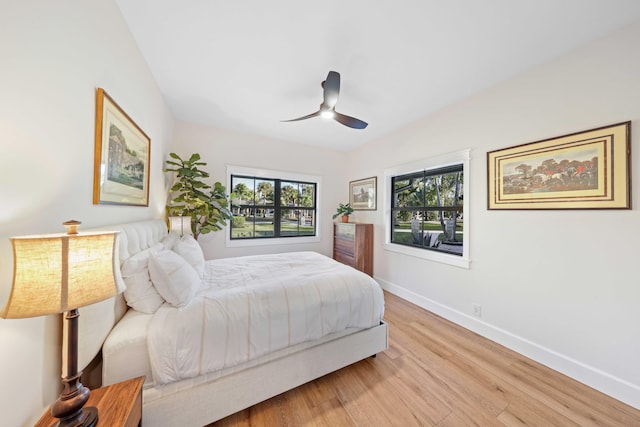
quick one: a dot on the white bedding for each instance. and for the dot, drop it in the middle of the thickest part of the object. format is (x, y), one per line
(124, 352)
(252, 306)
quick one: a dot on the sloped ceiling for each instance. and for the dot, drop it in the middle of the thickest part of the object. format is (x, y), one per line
(246, 65)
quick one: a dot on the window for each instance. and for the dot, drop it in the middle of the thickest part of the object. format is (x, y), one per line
(272, 207)
(427, 211)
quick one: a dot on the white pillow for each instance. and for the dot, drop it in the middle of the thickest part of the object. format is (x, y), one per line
(140, 293)
(189, 249)
(176, 281)
(170, 240)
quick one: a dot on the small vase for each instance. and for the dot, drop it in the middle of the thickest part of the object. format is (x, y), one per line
(345, 218)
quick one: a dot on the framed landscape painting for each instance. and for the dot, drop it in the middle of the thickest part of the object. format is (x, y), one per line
(121, 163)
(585, 170)
(362, 194)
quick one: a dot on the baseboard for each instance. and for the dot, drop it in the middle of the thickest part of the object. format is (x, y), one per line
(611, 385)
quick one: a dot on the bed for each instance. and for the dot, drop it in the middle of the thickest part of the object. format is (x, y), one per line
(238, 337)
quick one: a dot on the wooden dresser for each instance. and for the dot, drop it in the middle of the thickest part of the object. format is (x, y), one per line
(353, 245)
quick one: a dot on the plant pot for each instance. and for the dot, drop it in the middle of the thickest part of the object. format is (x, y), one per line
(345, 218)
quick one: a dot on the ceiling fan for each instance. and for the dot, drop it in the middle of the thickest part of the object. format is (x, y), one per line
(327, 109)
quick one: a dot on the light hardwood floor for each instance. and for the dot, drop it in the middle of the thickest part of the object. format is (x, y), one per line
(436, 373)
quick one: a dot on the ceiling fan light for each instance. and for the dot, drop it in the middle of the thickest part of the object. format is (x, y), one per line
(327, 114)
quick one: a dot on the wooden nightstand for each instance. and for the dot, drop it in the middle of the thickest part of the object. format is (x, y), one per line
(119, 405)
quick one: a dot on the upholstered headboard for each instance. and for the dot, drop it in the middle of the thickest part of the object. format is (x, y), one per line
(97, 320)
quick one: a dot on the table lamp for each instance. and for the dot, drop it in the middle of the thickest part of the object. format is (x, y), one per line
(57, 273)
(180, 224)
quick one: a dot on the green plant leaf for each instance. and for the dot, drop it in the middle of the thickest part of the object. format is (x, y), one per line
(208, 211)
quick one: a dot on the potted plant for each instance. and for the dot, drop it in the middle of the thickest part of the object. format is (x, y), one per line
(189, 196)
(344, 211)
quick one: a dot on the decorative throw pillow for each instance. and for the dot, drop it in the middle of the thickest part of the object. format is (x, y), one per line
(170, 240)
(175, 279)
(140, 294)
(189, 249)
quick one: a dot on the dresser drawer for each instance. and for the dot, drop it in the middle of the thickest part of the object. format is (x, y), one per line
(345, 259)
(344, 246)
(345, 231)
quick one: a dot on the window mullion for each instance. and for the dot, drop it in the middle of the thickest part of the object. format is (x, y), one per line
(277, 211)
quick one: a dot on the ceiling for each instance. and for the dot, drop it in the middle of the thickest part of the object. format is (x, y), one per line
(246, 65)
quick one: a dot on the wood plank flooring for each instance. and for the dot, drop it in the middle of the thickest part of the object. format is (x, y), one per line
(436, 373)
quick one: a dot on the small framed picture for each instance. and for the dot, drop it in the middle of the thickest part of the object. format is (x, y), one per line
(362, 194)
(121, 162)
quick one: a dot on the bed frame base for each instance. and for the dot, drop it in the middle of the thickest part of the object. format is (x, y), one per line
(218, 399)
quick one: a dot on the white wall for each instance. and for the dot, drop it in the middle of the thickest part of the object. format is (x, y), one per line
(54, 56)
(560, 286)
(219, 148)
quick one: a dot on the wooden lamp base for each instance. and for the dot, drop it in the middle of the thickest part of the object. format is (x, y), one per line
(68, 408)
(88, 417)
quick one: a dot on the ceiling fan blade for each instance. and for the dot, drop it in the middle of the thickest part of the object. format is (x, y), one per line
(308, 116)
(351, 122)
(331, 89)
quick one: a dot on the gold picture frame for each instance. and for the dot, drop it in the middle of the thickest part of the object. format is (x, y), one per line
(583, 170)
(363, 194)
(121, 160)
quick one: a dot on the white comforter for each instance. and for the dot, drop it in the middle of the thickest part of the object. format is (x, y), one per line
(251, 306)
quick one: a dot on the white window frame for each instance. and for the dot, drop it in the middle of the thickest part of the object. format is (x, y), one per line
(274, 174)
(456, 158)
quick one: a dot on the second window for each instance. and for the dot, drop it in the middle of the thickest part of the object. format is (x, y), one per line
(272, 208)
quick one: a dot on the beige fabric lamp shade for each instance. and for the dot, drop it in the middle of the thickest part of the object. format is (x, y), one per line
(180, 225)
(57, 273)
